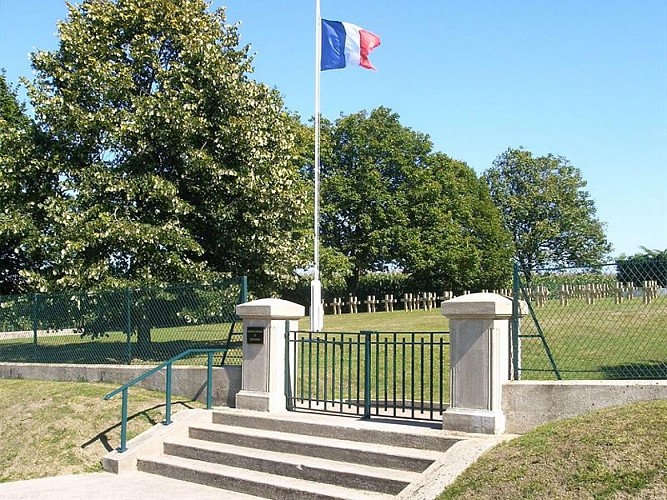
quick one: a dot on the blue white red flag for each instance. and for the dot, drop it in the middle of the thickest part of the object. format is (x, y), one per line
(345, 44)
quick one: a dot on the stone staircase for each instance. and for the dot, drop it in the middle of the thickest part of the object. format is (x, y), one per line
(305, 456)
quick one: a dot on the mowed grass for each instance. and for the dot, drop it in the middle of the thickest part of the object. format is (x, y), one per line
(407, 368)
(56, 428)
(613, 453)
(113, 347)
(596, 341)
(402, 367)
(604, 340)
(394, 321)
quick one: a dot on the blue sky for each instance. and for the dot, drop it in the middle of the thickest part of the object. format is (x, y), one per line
(582, 79)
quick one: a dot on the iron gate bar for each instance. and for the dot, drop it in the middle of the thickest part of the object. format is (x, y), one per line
(386, 392)
(349, 373)
(298, 346)
(421, 373)
(358, 370)
(310, 369)
(326, 362)
(367, 375)
(430, 396)
(377, 372)
(394, 377)
(342, 361)
(317, 371)
(403, 377)
(442, 374)
(412, 374)
(333, 372)
(288, 370)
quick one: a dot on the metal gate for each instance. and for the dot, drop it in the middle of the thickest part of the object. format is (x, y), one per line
(384, 374)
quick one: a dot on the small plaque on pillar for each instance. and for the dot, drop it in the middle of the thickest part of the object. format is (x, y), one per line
(255, 335)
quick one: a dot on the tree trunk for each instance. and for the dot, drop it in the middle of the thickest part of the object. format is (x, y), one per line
(144, 342)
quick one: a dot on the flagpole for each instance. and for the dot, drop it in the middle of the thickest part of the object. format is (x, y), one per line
(316, 310)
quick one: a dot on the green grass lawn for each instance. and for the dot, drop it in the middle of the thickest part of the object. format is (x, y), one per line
(600, 341)
(613, 453)
(604, 340)
(56, 428)
(113, 347)
(403, 368)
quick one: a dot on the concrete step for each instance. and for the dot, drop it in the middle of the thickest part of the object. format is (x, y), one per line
(394, 432)
(321, 470)
(377, 455)
(251, 482)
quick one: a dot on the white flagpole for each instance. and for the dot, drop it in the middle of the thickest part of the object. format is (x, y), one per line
(316, 309)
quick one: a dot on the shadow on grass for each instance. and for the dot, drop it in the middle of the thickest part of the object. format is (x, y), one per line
(103, 437)
(95, 352)
(636, 371)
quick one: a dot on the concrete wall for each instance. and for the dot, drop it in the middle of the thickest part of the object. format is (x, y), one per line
(527, 404)
(187, 381)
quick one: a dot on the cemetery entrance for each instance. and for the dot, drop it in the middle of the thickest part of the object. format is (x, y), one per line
(368, 373)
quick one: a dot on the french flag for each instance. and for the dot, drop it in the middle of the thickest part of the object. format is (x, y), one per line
(345, 44)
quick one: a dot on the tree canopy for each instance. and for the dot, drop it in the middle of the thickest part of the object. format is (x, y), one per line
(154, 158)
(173, 164)
(455, 239)
(651, 265)
(26, 181)
(551, 217)
(389, 201)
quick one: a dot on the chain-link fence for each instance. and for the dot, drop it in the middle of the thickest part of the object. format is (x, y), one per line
(608, 322)
(128, 326)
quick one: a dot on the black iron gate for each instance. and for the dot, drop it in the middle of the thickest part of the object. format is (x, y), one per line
(387, 374)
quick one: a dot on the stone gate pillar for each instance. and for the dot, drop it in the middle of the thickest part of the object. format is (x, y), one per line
(480, 361)
(263, 375)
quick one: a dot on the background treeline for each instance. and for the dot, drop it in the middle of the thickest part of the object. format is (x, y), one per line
(150, 157)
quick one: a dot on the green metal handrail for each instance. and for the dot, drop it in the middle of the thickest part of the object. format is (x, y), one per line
(168, 364)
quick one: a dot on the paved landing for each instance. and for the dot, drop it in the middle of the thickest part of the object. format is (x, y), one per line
(107, 486)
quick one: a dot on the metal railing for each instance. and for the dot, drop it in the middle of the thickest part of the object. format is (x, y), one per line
(168, 365)
(388, 374)
(124, 326)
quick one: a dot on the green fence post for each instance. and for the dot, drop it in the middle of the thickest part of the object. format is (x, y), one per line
(35, 324)
(128, 323)
(515, 322)
(167, 405)
(33, 314)
(209, 381)
(367, 374)
(244, 290)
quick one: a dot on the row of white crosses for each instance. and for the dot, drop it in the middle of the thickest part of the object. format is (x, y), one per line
(539, 295)
(409, 302)
(591, 293)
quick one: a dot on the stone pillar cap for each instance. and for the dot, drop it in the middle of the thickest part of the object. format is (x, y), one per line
(270, 309)
(480, 305)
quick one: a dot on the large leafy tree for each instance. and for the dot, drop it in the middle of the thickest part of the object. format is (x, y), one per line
(174, 164)
(455, 239)
(26, 181)
(389, 201)
(651, 265)
(547, 210)
(367, 158)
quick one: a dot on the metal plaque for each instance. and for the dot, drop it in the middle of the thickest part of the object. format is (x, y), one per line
(255, 335)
